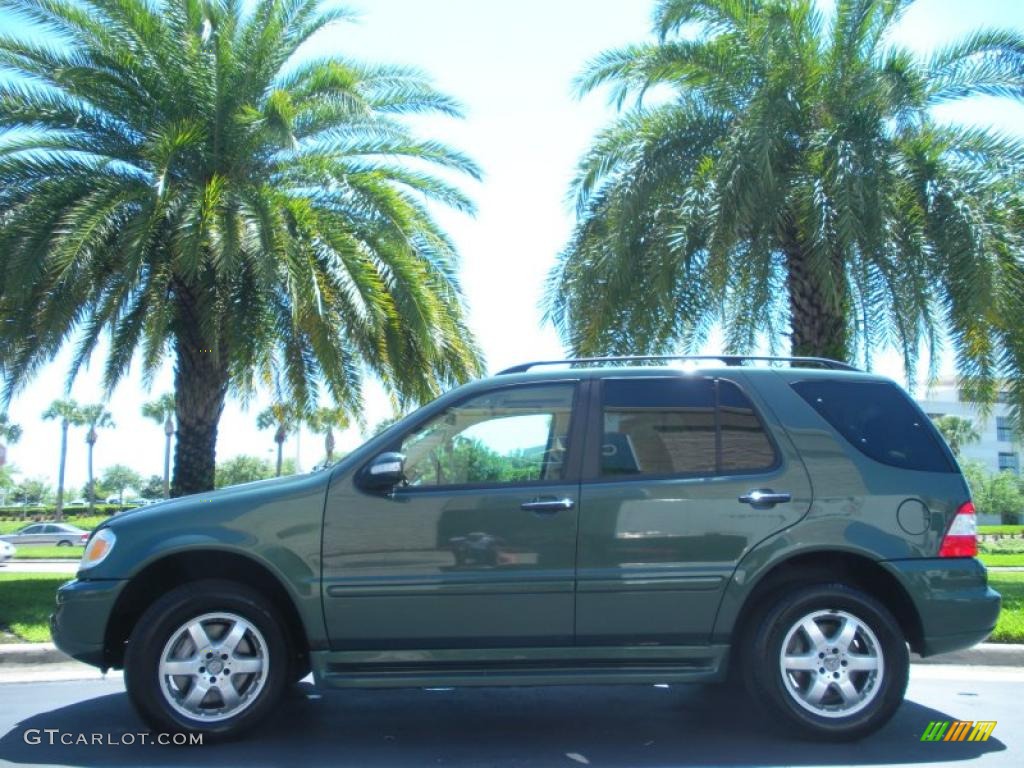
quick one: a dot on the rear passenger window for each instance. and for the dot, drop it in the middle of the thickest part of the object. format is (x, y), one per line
(879, 420)
(681, 426)
(745, 446)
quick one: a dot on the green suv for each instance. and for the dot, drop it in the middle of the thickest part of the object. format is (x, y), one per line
(796, 525)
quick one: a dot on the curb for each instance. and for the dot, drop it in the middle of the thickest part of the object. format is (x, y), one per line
(982, 655)
(41, 561)
(32, 653)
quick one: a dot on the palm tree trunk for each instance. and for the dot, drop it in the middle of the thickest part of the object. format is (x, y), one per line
(817, 318)
(280, 451)
(168, 431)
(92, 485)
(200, 387)
(59, 515)
(329, 445)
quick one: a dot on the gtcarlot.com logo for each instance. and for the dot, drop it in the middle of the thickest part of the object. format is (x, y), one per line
(958, 730)
(55, 736)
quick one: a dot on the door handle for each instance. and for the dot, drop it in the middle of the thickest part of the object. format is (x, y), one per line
(763, 498)
(548, 506)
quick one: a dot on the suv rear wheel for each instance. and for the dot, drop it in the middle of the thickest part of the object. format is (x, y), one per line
(208, 657)
(830, 660)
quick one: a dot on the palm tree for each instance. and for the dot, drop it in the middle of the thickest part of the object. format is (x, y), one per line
(791, 176)
(67, 411)
(324, 421)
(283, 418)
(94, 417)
(10, 433)
(182, 176)
(161, 411)
(957, 431)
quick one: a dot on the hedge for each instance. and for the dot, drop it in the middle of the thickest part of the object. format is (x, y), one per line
(34, 514)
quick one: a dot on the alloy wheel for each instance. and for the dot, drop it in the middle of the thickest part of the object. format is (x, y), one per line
(832, 663)
(213, 667)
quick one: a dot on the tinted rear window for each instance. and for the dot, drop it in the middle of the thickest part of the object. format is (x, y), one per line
(659, 427)
(879, 420)
(681, 426)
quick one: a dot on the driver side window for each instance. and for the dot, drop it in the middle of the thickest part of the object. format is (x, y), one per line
(511, 435)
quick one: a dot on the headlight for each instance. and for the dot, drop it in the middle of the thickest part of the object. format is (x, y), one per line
(98, 548)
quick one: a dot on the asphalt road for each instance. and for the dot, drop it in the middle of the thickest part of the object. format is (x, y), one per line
(599, 726)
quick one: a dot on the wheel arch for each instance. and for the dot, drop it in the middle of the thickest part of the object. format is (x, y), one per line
(749, 601)
(174, 569)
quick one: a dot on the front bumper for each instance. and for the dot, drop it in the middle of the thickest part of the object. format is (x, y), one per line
(956, 606)
(79, 625)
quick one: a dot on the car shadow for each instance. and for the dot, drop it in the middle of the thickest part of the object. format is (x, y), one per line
(639, 726)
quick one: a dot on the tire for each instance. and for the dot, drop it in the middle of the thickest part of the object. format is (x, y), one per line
(63, 543)
(186, 630)
(859, 655)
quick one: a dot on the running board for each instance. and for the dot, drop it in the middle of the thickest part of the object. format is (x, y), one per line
(519, 666)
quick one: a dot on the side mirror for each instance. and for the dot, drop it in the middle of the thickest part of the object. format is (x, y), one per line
(385, 472)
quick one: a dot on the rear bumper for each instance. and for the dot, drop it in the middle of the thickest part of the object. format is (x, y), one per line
(956, 607)
(79, 624)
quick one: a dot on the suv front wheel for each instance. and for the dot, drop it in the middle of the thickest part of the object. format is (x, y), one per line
(830, 660)
(208, 657)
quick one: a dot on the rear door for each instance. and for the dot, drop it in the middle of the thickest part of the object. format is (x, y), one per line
(685, 476)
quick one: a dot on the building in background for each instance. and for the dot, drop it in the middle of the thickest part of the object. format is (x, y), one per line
(999, 448)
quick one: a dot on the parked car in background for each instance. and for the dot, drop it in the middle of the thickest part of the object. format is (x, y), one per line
(7, 551)
(611, 521)
(59, 534)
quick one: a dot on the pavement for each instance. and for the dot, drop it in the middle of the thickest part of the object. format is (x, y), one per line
(69, 567)
(482, 727)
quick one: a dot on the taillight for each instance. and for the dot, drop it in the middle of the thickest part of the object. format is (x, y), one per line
(961, 540)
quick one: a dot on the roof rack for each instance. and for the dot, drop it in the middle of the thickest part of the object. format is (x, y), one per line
(822, 362)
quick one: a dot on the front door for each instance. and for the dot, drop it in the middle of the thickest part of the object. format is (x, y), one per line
(664, 522)
(478, 548)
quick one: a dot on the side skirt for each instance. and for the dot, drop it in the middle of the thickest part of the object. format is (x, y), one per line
(633, 665)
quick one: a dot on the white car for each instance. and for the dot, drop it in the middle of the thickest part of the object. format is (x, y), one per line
(7, 551)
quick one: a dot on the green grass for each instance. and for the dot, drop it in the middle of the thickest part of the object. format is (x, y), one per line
(1010, 627)
(1002, 560)
(26, 602)
(1003, 529)
(48, 553)
(85, 521)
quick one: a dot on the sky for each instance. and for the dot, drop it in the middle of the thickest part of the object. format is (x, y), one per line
(511, 65)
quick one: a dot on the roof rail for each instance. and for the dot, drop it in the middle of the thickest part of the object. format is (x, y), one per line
(822, 362)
